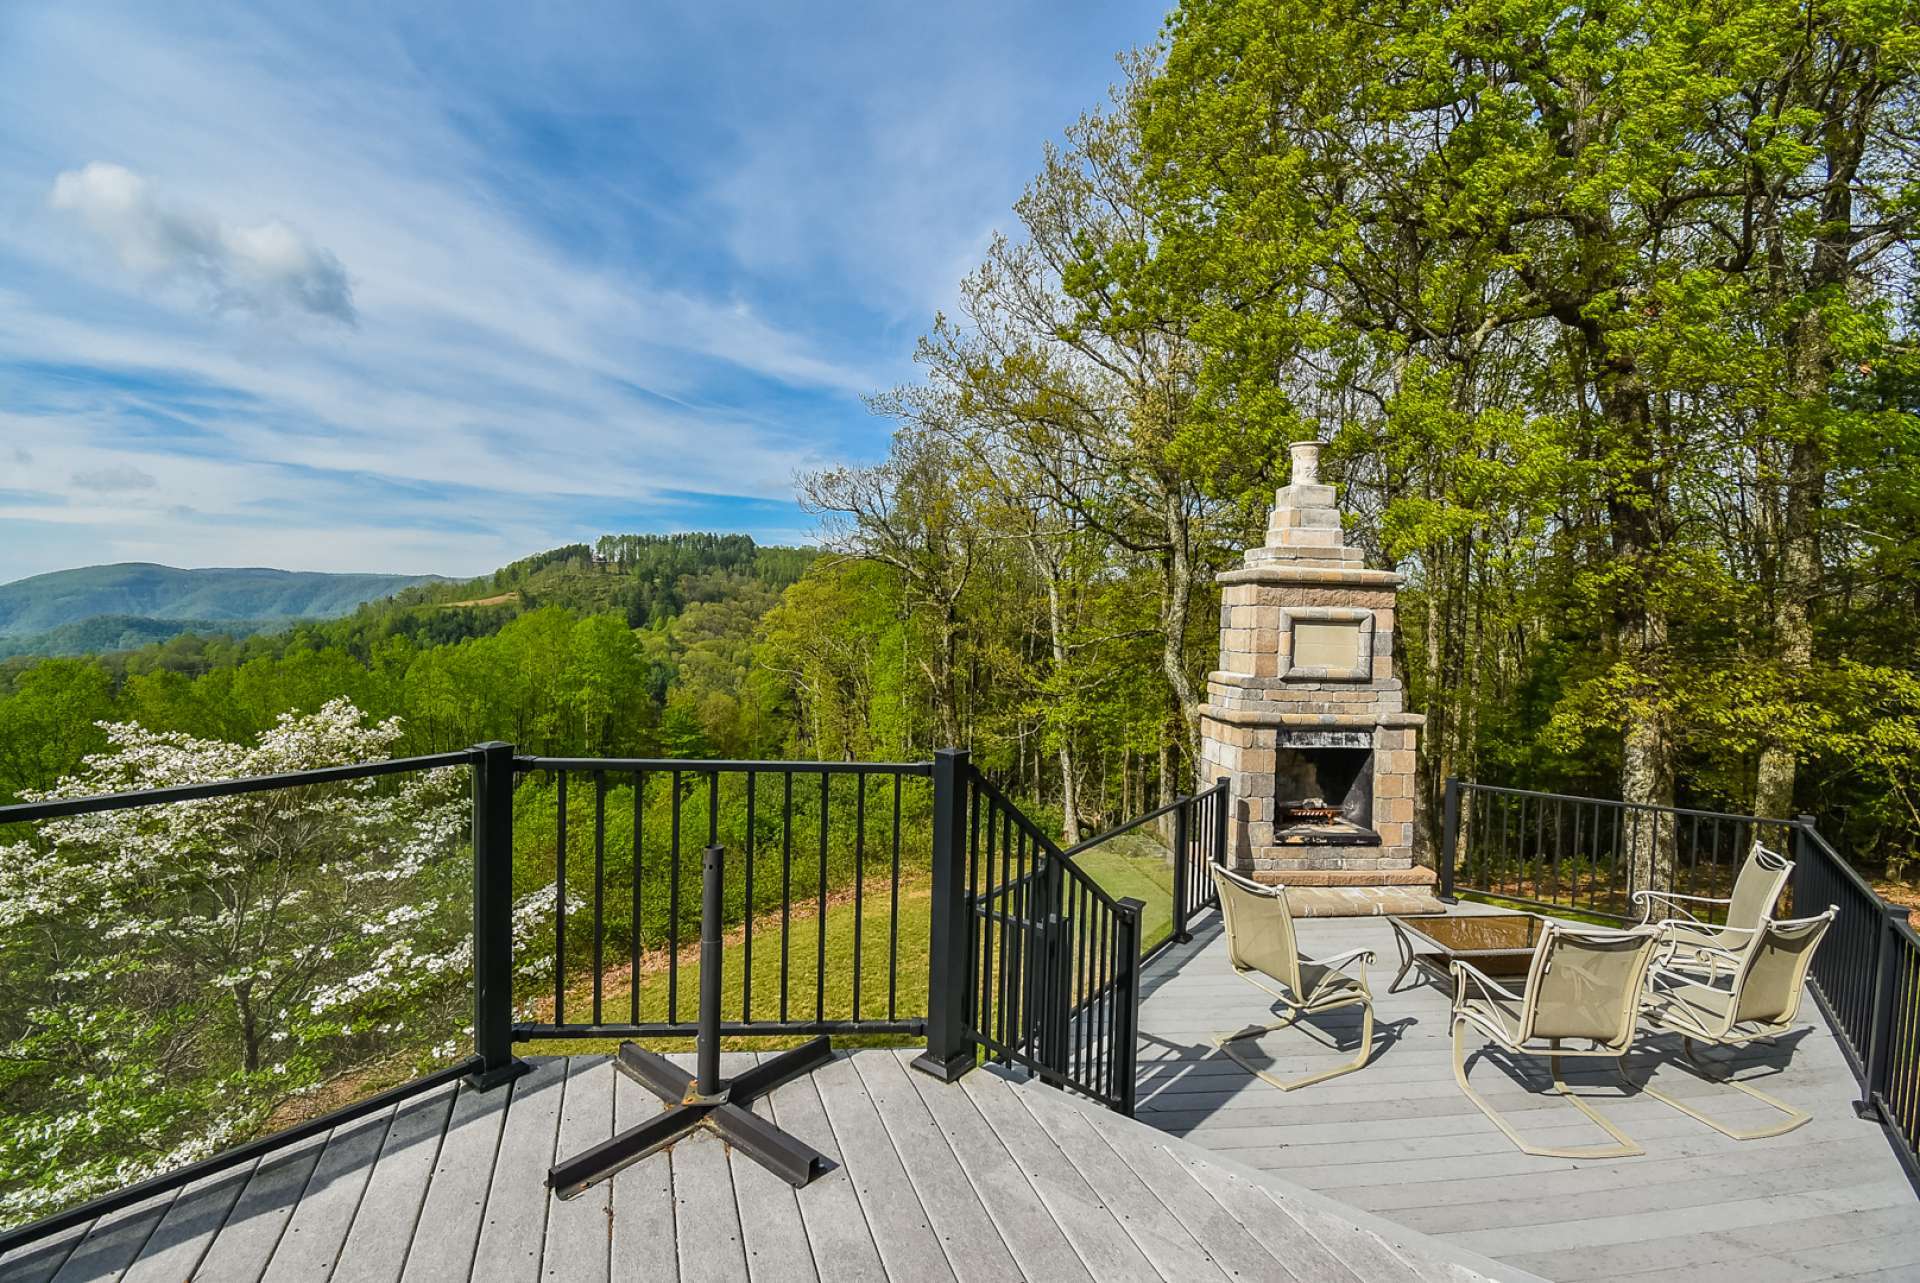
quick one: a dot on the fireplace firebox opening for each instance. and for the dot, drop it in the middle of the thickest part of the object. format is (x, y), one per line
(1324, 791)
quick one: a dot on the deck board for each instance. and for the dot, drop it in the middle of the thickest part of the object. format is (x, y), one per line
(991, 1177)
(317, 1230)
(973, 1245)
(774, 1236)
(837, 1229)
(644, 1250)
(1399, 1140)
(246, 1243)
(513, 1231)
(448, 1228)
(579, 1240)
(376, 1246)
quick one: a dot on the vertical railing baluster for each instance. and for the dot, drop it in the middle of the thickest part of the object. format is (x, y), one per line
(786, 885)
(893, 914)
(820, 931)
(560, 903)
(749, 910)
(640, 828)
(673, 910)
(599, 887)
(859, 882)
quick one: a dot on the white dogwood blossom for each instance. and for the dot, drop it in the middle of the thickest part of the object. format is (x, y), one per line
(184, 967)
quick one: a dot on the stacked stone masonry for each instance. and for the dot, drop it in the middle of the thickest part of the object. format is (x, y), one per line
(1260, 705)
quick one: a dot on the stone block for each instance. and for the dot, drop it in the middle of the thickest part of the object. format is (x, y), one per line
(1392, 785)
(1314, 496)
(1305, 537)
(1320, 518)
(1398, 810)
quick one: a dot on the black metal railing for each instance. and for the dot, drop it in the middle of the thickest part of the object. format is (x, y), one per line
(1195, 826)
(804, 837)
(1052, 960)
(1026, 956)
(1589, 855)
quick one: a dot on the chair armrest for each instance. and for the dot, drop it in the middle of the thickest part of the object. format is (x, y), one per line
(1674, 902)
(1466, 971)
(1339, 960)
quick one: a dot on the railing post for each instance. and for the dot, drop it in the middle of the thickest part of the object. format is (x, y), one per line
(950, 1052)
(1224, 799)
(493, 916)
(707, 1045)
(1449, 838)
(1182, 835)
(1126, 1016)
(1886, 960)
(1802, 848)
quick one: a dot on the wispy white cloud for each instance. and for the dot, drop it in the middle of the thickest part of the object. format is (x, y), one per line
(263, 267)
(600, 272)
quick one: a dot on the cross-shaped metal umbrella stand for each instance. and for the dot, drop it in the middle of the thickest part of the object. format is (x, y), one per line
(701, 1099)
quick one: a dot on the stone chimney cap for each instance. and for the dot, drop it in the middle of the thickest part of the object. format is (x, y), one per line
(1306, 463)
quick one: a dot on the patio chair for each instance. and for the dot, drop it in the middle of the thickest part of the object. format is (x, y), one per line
(1583, 985)
(1260, 943)
(1691, 944)
(1763, 1001)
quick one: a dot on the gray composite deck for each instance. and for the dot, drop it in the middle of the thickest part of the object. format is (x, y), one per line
(1399, 1140)
(989, 1178)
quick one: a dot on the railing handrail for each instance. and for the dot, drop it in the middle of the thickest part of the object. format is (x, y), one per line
(1617, 802)
(702, 764)
(1047, 845)
(59, 808)
(1184, 799)
(1846, 870)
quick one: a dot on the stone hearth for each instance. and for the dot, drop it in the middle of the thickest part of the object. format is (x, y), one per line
(1305, 715)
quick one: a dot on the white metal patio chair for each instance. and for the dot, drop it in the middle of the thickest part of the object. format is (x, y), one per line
(1260, 942)
(1584, 985)
(1763, 1000)
(1688, 941)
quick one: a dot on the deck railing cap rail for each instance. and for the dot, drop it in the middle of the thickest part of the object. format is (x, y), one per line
(58, 808)
(1185, 799)
(1631, 806)
(709, 765)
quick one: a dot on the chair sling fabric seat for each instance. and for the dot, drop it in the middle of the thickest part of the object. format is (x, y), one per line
(1688, 942)
(1768, 975)
(1261, 944)
(1582, 985)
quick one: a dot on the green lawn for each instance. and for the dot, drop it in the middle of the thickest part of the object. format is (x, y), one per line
(802, 951)
(1136, 865)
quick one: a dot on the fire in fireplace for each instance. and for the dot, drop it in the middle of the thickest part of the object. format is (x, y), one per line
(1324, 789)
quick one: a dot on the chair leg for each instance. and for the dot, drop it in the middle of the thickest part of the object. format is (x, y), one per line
(1225, 1043)
(1626, 1147)
(1795, 1117)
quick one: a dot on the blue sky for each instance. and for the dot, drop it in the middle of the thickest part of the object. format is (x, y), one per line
(323, 287)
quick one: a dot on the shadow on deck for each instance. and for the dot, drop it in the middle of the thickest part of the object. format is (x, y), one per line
(1398, 1139)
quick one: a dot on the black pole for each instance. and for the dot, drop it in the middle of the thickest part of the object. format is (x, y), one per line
(1449, 838)
(708, 1042)
(1220, 822)
(949, 1051)
(1182, 835)
(1126, 1019)
(493, 916)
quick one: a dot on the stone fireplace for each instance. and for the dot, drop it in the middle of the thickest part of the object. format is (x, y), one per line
(1306, 717)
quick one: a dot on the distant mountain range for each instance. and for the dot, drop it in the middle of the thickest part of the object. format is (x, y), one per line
(134, 603)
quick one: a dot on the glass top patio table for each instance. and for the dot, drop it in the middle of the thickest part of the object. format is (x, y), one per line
(1500, 944)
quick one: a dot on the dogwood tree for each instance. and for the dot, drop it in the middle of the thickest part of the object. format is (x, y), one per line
(170, 973)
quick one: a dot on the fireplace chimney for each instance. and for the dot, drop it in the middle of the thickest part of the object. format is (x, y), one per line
(1306, 718)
